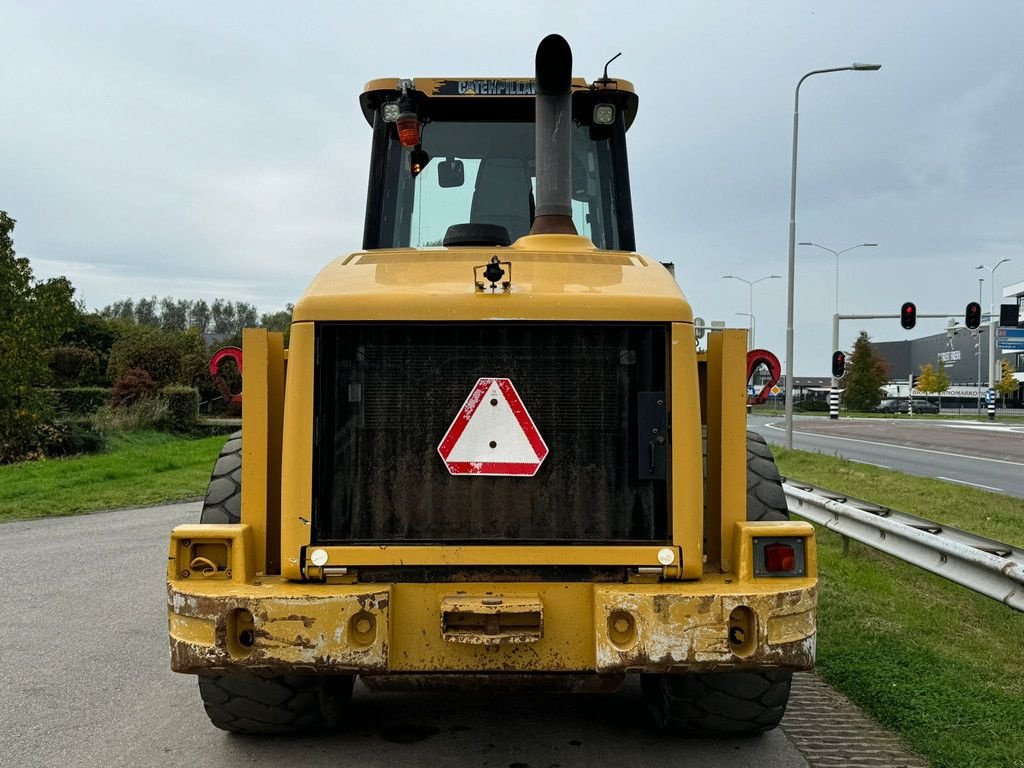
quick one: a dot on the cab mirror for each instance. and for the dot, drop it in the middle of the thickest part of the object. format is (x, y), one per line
(451, 173)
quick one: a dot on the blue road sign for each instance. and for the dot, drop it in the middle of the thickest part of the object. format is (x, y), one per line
(1010, 339)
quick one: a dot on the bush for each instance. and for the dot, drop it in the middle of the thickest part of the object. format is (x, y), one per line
(76, 436)
(73, 365)
(26, 426)
(81, 400)
(145, 414)
(156, 352)
(182, 407)
(132, 387)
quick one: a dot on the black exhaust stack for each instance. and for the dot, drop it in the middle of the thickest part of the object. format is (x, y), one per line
(553, 215)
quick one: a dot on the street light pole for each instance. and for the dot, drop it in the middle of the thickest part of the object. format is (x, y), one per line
(750, 301)
(977, 349)
(753, 327)
(993, 324)
(835, 323)
(792, 239)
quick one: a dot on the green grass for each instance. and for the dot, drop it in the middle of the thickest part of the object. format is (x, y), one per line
(931, 660)
(136, 469)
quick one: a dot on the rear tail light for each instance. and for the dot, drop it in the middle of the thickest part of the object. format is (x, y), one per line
(779, 556)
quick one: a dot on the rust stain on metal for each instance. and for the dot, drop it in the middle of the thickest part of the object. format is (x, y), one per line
(291, 633)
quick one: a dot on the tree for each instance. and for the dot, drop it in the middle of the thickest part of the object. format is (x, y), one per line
(173, 314)
(34, 316)
(1007, 384)
(222, 313)
(280, 321)
(199, 316)
(933, 380)
(145, 312)
(866, 374)
(246, 316)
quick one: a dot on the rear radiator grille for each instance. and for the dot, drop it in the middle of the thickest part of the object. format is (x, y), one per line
(388, 393)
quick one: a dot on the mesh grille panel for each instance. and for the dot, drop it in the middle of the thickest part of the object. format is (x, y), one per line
(388, 393)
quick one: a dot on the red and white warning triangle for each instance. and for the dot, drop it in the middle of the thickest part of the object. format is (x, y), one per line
(493, 434)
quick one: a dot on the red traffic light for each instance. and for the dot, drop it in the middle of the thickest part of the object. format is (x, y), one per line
(838, 363)
(908, 315)
(972, 319)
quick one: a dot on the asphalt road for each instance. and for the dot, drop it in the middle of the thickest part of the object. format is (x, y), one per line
(978, 454)
(85, 682)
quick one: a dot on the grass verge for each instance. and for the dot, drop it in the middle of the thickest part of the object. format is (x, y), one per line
(137, 468)
(931, 660)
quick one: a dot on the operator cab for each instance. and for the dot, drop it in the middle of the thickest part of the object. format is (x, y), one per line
(453, 162)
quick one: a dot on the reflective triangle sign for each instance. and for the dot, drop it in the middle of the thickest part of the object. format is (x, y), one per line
(493, 434)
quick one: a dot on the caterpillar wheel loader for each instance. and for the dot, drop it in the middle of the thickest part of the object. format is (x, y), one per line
(493, 455)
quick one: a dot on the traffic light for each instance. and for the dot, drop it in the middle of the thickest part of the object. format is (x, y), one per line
(838, 363)
(973, 316)
(908, 315)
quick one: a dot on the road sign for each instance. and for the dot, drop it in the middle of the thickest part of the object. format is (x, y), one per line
(776, 390)
(493, 434)
(1010, 339)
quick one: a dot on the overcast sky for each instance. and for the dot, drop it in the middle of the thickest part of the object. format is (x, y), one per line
(201, 149)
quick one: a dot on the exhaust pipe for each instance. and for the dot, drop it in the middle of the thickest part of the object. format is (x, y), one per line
(553, 213)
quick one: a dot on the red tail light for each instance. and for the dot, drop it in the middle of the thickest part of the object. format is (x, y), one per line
(779, 558)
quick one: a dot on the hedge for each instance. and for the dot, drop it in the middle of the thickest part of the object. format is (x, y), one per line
(182, 406)
(81, 400)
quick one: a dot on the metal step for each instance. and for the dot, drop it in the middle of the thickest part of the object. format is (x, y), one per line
(989, 567)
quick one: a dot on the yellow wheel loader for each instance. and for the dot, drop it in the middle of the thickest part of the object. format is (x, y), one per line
(493, 455)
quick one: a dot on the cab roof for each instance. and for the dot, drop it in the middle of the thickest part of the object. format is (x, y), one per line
(378, 91)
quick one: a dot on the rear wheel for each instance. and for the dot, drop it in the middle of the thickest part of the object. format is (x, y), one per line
(719, 703)
(729, 703)
(262, 704)
(281, 704)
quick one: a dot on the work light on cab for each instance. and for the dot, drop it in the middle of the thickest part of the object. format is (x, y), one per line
(604, 114)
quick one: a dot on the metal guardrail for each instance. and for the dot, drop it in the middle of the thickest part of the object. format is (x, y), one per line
(989, 567)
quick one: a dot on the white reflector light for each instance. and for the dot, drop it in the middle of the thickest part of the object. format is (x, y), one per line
(604, 114)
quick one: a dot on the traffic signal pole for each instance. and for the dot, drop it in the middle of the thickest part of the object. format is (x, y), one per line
(991, 394)
(833, 392)
(833, 395)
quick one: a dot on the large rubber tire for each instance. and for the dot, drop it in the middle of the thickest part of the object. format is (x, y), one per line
(262, 704)
(718, 703)
(282, 704)
(729, 703)
(765, 499)
(223, 502)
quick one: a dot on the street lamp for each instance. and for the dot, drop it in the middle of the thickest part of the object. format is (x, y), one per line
(835, 318)
(750, 302)
(836, 254)
(977, 348)
(792, 239)
(992, 305)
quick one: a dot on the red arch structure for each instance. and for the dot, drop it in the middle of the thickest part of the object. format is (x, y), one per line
(222, 354)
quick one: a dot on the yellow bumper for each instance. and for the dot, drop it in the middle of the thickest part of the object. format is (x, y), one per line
(279, 626)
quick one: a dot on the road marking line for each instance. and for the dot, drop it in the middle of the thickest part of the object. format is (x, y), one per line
(897, 445)
(869, 463)
(964, 482)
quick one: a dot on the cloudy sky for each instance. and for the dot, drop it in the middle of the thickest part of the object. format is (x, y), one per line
(199, 150)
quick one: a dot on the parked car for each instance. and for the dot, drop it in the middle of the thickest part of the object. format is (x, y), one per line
(920, 405)
(924, 406)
